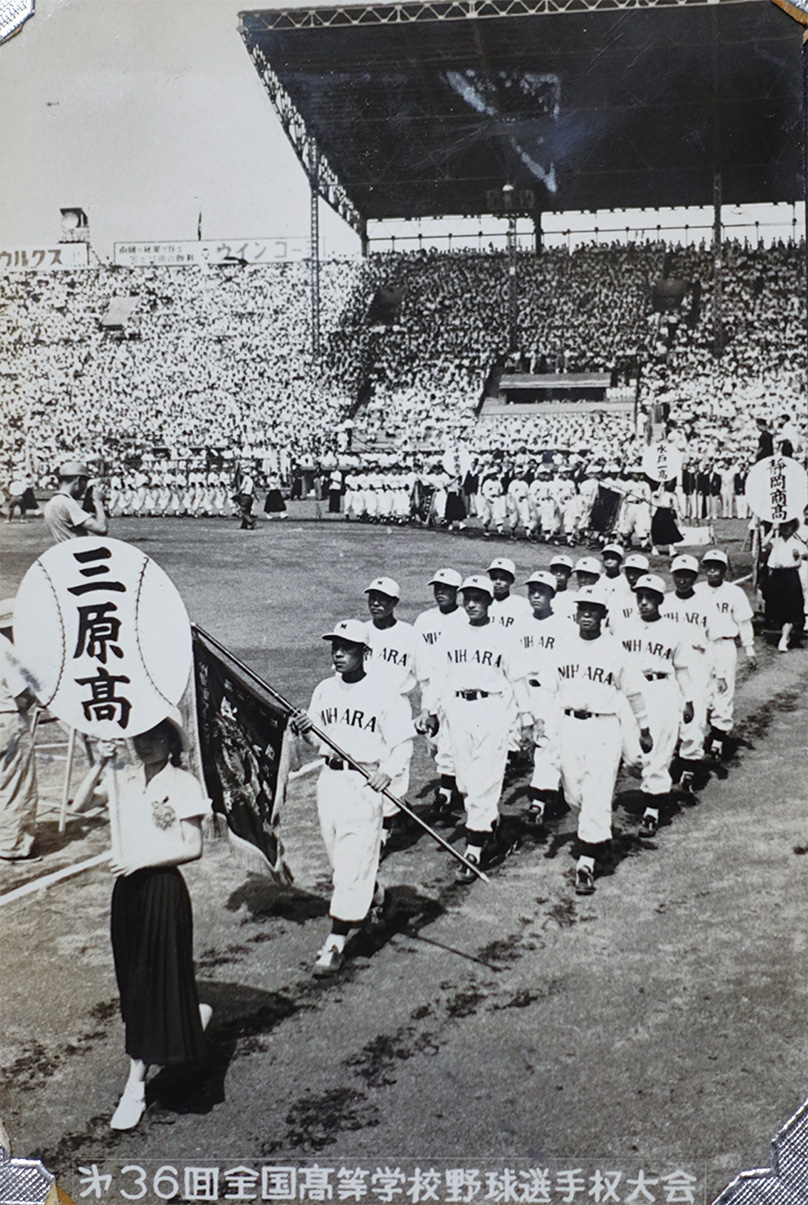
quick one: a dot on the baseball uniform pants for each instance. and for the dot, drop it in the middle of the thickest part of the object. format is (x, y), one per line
(722, 703)
(478, 737)
(350, 816)
(663, 702)
(590, 756)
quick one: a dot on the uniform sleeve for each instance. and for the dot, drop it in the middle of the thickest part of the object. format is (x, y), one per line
(398, 732)
(631, 683)
(516, 673)
(682, 661)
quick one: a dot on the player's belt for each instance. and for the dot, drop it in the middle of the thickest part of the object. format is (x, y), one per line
(654, 677)
(338, 763)
(586, 715)
(475, 694)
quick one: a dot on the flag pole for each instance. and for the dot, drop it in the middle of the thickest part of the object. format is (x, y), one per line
(400, 804)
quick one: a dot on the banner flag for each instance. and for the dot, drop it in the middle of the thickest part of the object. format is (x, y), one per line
(605, 510)
(244, 753)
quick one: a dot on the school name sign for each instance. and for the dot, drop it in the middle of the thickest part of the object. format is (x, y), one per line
(104, 636)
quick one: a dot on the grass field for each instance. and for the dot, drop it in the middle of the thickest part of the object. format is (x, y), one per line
(657, 1024)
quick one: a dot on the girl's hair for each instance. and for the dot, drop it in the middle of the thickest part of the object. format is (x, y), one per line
(169, 730)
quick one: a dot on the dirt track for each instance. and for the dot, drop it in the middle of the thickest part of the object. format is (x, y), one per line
(657, 1025)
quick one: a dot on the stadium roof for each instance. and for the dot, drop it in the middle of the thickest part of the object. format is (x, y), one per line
(425, 109)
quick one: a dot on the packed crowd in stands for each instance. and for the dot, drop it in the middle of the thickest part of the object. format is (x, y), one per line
(214, 369)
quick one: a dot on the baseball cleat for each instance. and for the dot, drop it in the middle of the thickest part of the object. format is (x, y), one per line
(464, 875)
(535, 816)
(584, 880)
(329, 961)
(686, 781)
(649, 825)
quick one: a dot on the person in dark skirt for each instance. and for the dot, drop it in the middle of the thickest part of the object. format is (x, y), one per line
(782, 587)
(274, 503)
(455, 511)
(160, 808)
(665, 532)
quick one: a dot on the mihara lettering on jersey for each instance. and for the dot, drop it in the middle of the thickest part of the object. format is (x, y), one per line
(694, 619)
(539, 641)
(723, 607)
(595, 673)
(431, 637)
(391, 656)
(474, 657)
(350, 717)
(653, 648)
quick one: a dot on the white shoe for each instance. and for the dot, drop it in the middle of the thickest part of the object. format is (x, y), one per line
(329, 961)
(131, 1108)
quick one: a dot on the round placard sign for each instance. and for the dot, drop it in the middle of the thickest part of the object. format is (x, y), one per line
(777, 489)
(104, 636)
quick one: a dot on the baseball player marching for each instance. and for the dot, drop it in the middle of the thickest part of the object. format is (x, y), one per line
(662, 654)
(541, 637)
(731, 619)
(374, 726)
(478, 673)
(692, 611)
(592, 673)
(430, 626)
(392, 651)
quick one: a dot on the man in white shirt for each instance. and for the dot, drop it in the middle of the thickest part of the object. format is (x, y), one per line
(65, 517)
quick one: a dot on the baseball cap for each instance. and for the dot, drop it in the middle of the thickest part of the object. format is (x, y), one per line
(715, 554)
(74, 468)
(615, 548)
(685, 562)
(650, 581)
(505, 564)
(478, 582)
(384, 585)
(446, 577)
(593, 594)
(588, 564)
(352, 630)
(542, 577)
(561, 559)
(636, 560)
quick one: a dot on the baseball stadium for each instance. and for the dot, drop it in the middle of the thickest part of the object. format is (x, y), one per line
(504, 524)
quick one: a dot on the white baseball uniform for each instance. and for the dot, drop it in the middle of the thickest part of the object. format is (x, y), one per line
(391, 657)
(431, 625)
(591, 679)
(692, 615)
(541, 642)
(731, 618)
(478, 675)
(374, 726)
(662, 654)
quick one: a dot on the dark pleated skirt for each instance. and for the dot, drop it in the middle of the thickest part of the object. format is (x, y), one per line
(455, 507)
(152, 944)
(274, 503)
(663, 527)
(782, 594)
